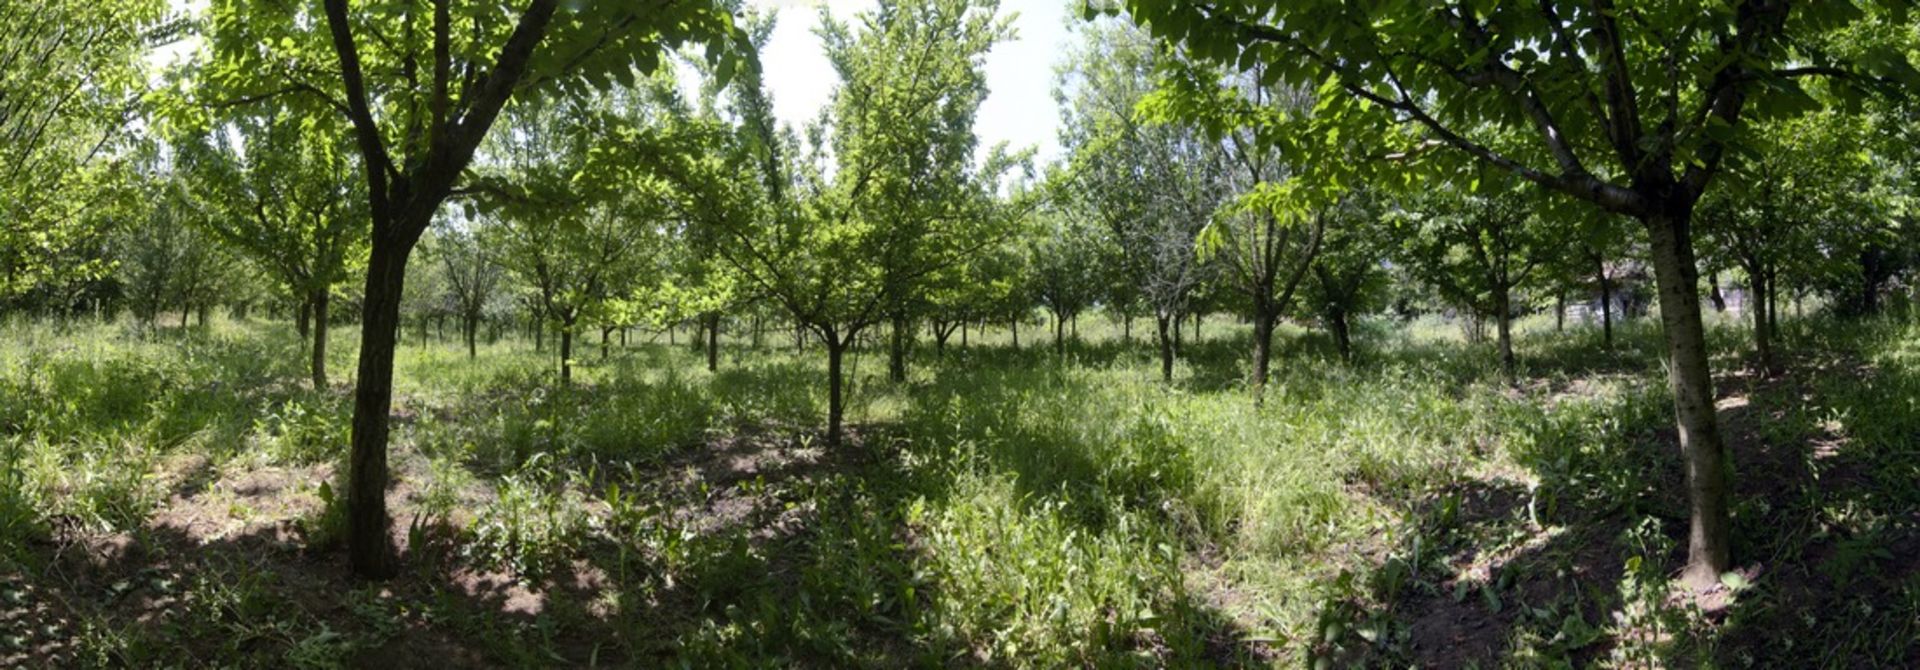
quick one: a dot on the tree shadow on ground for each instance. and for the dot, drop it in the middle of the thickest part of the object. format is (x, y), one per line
(1574, 568)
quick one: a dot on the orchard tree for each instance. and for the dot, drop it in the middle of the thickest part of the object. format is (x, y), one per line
(71, 78)
(280, 189)
(474, 279)
(1065, 273)
(1347, 278)
(1630, 108)
(1477, 245)
(420, 98)
(1795, 205)
(1154, 185)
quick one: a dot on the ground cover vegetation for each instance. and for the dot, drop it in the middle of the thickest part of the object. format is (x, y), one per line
(480, 334)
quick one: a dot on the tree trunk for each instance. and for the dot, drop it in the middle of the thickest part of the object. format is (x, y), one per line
(1126, 329)
(1059, 335)
(369, 545)
(1606, 302)
(1342, 335)
(1015, 324)
(473, 331)
(836, 401)
(303, 319)
(319, 349)
(539, 335)
(1713, 293)
(606, 333)
(713, 343)
(1503, 323)
(963, 334)
(1196, 327)
(1677, 275)
(566, 353)
(1560, 311)
(1762, 332)
(897, 349)
(1263, 320)
(1162, 321)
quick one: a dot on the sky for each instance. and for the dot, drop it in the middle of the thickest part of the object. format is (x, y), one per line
(1019, 108)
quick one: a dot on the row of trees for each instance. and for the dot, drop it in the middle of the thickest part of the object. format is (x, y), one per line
(1266, 158)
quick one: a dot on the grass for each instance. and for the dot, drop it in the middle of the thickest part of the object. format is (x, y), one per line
(169, 500)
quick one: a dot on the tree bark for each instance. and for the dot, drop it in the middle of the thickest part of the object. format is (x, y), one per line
(897, 349)
(473, 331)
(836, 400)
(319, 302)
(1606, 301)
(713, 343)
(1342, 335)
(1263, 320)
(1059, 335)
(1560, 311)
(1713, 293)
(1015, 325)
(566, 353)
(1677, 275)
(369, 547)
(1762, 331)
(304, 318)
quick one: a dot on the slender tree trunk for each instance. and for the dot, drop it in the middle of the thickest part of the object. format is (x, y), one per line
(963, 334)
(1606, 302)
(319, 349)
(369, 546)
(304, 318)
(539, 335)
(1762, 332)
(1773, 301)
(1126, 328)
(836, 400)
(713, 343)
(566, 352)
(1677, 275)
(1059, 335)
(1503, 315)
(1713, 293)
(1560, 311)
(473, 332)
(1342, 335)
(1197, 316)
(897, 349)
(1015, 325)
(606, 334)
(1263, 321)
(1167, 331)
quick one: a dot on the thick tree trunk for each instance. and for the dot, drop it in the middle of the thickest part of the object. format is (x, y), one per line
(1677, 275)
(319, 349)
(369, 545)
(836, 400)
(1167, 331)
